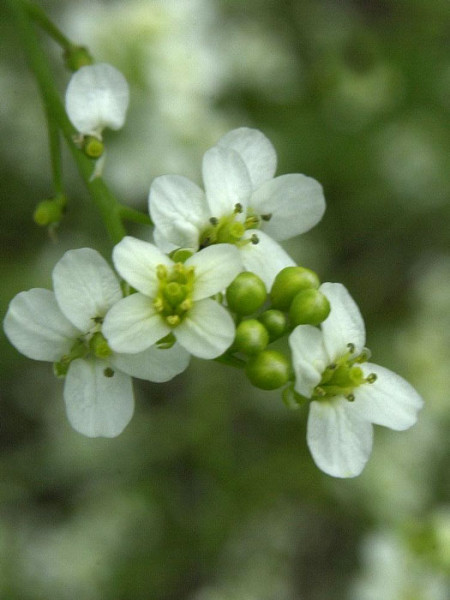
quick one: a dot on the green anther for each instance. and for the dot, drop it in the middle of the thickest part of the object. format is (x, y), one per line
(214, 221)
(343, 376)
(266, 217)
(108, 372)
(238, 208)
(78, 350)
(254, 239)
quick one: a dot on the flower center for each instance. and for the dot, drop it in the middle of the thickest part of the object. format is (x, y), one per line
(92, 343)
(343, 376)
(174, 297)
(231, 228)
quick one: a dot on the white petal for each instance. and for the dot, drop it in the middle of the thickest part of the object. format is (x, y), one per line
(339, 441)
(255, 150)
(162, 242)
(265, 259)
(390, 400)
(215, 268)
(207, 331)
(97, 96)
(154, 364)
(227, 181)
(97, 405)
(132, 325)
(344, 325)
(35, 325)
(178, 209)
(136, 261)
(85, 287)
(295, 202)
(309, 358)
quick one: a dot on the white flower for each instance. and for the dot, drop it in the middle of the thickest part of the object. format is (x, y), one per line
(97, 97)
(348, 394)
(172, 298)
(243, 204)
(64, 327)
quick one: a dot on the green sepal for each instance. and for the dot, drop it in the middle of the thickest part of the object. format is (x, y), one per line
(181, 255)
(166, 342)
(292, 399)
(76, 57)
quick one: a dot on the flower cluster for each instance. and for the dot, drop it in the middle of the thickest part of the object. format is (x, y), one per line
(216, 284)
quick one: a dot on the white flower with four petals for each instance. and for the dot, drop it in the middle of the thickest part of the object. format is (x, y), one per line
(64, 327)
(348, 393)
(242, 204)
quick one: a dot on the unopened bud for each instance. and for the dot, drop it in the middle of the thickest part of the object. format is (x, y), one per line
(49, 211)
(309, 307)
(289, 282)
(251, 337)
(246, 293)
(275, 322)
(268, 370)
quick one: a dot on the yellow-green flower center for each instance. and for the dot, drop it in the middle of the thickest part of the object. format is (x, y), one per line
(174, 297)
(231, 228)
(343, 376)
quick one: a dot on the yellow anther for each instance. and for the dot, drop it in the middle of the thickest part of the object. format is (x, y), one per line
(161, 271)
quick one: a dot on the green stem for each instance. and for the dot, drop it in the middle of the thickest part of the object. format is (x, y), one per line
(231, 361)
(135, 216)
(55, 153)
(38, 15)
(107, 204)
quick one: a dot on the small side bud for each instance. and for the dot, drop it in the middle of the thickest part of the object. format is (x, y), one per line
(268, 370)
(93, 147)
(309, 307)
(49, 212)
(76, 57)
(251, 337)
(246, 293)
(275, 322)
(289, 282)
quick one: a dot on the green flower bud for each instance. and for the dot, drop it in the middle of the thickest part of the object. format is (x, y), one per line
(309, 307)
(49, 211)
(93, 147)
(251, 337)
(275, 322)
(246, 293)
(268, 370)
(76, 57)
(289, 282)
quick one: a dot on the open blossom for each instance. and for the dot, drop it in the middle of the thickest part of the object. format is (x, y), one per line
(243, 204)
(348, 393)
(173, 298)
(97, 97)
(65, 327)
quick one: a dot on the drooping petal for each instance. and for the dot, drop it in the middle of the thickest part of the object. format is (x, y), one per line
(339, 441)
(136, 261)
(227, 181)
(255, 150)
(132, 325)
(215, 268)
(266, 258)
(85, 286)
(154, 364)
(344, 325)
(309, 358)
(295, 202)
(97, 405)
(35, 325)
(178, 209)
(207, 331)
(390, 400)
(97, 96)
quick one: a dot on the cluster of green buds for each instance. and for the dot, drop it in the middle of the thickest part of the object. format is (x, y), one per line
(263, 318)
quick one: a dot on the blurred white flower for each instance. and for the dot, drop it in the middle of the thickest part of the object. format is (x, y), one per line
(172, 298)
(97, 97)
(64, 327)
(348, 393)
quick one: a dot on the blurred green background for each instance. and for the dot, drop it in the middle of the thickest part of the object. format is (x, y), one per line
(210, 493)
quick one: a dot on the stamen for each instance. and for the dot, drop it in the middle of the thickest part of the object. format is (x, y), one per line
(364, 356)
(351, 347)
(371, 378)
(214, 221)
(108, 372)
(238, 208)
(266, 217)
(254, 239)
(161, 272)
(350, 397)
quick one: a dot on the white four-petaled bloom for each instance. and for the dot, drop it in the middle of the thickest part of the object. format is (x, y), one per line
(97, 97)
(243, 204)
(348, 393)
(172, 298)
(65, 326)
